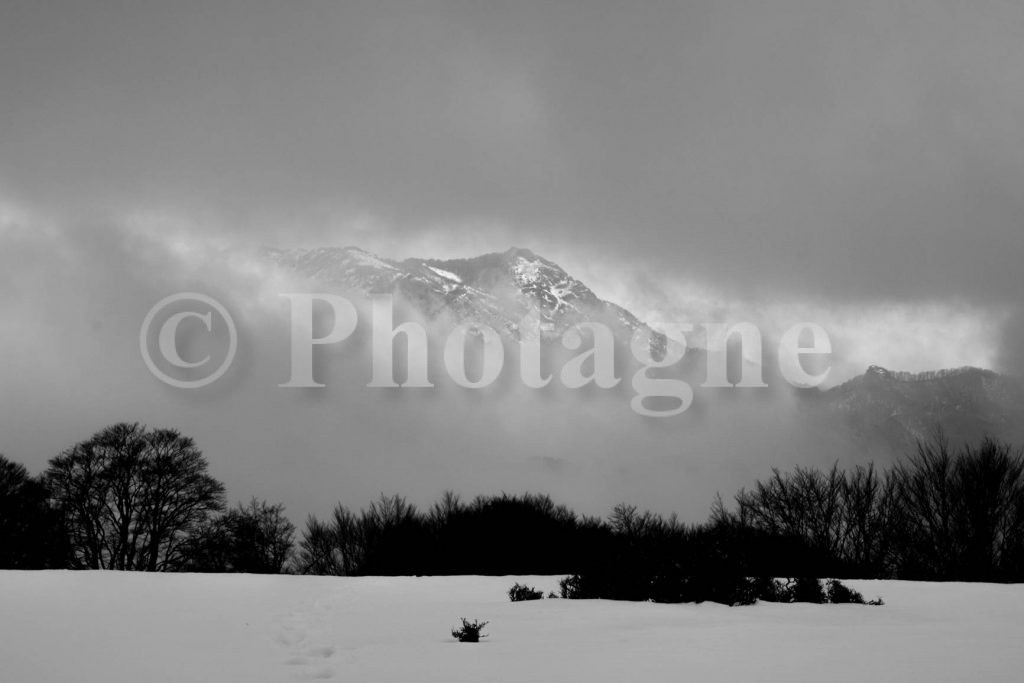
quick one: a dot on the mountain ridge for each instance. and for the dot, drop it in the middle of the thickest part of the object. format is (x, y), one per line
(882, 407)
(901, 408)
(498, 288)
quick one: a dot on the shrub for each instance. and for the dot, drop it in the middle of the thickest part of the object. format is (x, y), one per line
(725, 589)
(671, 586)
(254, 538)
(470, 631)
(839, 594)
(521, 593)
(744, 594)
(767, 589)
(604, 585)
(571, 588)
(805, 589)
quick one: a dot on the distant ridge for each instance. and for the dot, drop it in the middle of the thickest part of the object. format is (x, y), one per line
(927, 376)
(898, 408)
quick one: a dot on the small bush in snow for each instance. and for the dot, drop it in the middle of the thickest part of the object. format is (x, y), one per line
(571, 588)
(520, 592)
(470, 631)
(839, 594)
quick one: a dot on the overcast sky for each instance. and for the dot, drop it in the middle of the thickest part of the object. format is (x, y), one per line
(860, 164)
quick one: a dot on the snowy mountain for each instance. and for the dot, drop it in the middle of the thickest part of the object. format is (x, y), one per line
(884, 410)
(498, 289)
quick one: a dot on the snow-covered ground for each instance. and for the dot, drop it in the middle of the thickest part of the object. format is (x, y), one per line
(106, 626)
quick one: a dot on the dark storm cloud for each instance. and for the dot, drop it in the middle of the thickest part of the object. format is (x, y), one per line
(857, 150)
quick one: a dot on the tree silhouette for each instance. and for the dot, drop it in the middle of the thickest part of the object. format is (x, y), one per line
(130, 497)
(31, 536)
(255, 538)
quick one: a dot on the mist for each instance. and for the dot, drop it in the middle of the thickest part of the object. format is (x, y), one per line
(74, 330)
(857, 166)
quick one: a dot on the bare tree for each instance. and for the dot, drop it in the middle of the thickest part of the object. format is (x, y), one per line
(962, 512)
(259, 537)
(131, 496)
(848, 515)
(319, 552)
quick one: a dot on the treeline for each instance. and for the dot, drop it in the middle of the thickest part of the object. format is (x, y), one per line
(138, 499)
(527, 534)
(928, 375)
(940, 514)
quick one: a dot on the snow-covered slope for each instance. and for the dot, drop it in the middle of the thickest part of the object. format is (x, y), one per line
(111, 627)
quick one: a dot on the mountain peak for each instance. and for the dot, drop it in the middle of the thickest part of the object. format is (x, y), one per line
(520, 251)
(497, 288)
(877, 371)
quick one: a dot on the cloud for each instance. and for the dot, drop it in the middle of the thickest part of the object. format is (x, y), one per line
(1011, 345)
(914, 334)
(866, 152)
(855, 165)
(78, 293)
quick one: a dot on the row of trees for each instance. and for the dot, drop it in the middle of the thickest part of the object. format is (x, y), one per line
(496, 535)
(31, 530)
(132, 498)
(940, 514)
